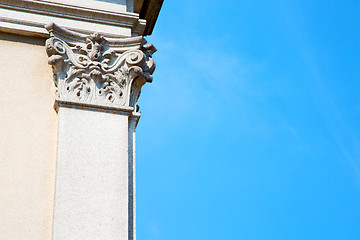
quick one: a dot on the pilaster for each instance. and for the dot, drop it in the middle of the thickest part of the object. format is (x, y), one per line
(98, 82)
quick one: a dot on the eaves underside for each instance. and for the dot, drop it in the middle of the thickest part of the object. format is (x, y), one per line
(148, 10)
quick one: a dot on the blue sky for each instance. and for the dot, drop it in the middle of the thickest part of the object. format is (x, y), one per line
(250, 129)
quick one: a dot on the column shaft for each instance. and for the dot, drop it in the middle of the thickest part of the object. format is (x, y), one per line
(91, 198)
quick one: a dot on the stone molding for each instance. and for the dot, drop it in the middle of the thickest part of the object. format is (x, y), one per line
(28, 17)
(97, 71)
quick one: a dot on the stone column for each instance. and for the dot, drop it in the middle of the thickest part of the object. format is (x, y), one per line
(98, 82)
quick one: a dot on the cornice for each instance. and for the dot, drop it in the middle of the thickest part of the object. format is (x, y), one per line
(148, 10)
(97, 71)
(28, 17)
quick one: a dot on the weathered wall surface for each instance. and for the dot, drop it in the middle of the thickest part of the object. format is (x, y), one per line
(28, 133)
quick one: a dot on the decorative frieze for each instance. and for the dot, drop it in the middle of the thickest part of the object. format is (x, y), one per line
(94, 70)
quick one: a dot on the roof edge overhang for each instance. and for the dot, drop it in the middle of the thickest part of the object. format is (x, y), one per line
(148, 10)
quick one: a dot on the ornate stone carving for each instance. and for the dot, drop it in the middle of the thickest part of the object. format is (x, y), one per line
(95, 70)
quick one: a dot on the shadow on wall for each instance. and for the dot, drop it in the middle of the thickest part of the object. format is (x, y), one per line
(23, 39)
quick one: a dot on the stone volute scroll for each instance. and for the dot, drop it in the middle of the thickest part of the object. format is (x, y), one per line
(96, 71)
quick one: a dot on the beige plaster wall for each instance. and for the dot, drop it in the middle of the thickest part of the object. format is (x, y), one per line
(28, 133)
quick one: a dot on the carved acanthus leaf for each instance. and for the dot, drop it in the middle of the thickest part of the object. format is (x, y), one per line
(96, 70)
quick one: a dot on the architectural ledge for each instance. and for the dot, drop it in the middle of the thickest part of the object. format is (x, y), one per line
(97, 71)
(28, 17)
(148, 10)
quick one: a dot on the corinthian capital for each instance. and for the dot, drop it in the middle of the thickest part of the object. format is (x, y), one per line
(98, 71)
